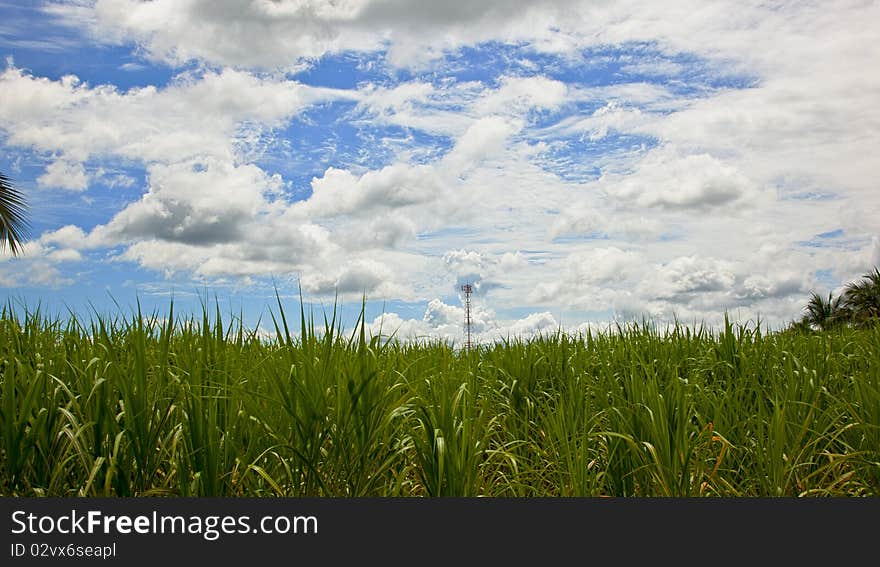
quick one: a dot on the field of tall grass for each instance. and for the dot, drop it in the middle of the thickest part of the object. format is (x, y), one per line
(159, 405)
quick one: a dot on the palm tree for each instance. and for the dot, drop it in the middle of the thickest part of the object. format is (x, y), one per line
(13, 223)
(862, 299)
(824, 314)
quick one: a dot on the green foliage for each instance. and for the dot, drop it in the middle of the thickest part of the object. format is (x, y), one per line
(825, 314)
(13, 219)
(859, 306)
(150, 405)
(862, 299)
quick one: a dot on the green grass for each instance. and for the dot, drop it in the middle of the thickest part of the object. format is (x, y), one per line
(162, 405)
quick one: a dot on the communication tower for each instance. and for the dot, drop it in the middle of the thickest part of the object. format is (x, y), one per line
(468, 289)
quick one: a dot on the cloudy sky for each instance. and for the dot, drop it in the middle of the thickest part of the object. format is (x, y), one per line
(580, 161)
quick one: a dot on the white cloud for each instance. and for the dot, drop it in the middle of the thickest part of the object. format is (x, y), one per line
(446, 322)
(689, 275)
(519, 95)
(512, 261)
(64, 175)
(64, 255)
(762, 286)
(616, 223)
(664, 178)
(340, 192)
(36, 265)
(68, 236)
(389, 230)
(393, 325)
(167, 257)
(420, 105)
(393, 101)
(874, 255)
(359, 276)
(198, 115)
(531, 325)
(202, 202)
(465, 263)
(281, 34)
(439, 314)
(612, 117)
(484, 139)
(590, 279)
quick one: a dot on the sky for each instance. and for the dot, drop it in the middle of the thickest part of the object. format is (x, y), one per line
(582, 163)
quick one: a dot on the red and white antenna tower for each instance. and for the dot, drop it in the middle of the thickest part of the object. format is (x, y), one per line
(467, 289)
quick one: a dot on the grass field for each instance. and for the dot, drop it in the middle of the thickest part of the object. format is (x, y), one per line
(160, 405)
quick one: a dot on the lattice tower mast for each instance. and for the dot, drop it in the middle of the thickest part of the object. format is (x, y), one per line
(468, 289)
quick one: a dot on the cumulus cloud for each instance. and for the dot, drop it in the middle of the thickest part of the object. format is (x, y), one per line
(465, 263)
(270, 249)
(360, 276)
(483, 140)
(439, 314)
(531, 325)
(690, 275)
(762, 286)
(197, 115)
(613, 117)
(38, 264)
(389, 230)
(612, 222)
(397, 102)
(590, 279)
(628, 285)
(520, 95)
(512, 261)
(68, 236)
(446, 322)
(268, 34)
(202, 202)
(64, 175)
(666, 179)
(340, 192)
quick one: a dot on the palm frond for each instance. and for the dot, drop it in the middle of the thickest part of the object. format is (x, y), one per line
(13, 219)
(862, 298)
(824, 313)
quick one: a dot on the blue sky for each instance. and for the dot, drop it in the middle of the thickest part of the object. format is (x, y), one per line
(582, 163)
